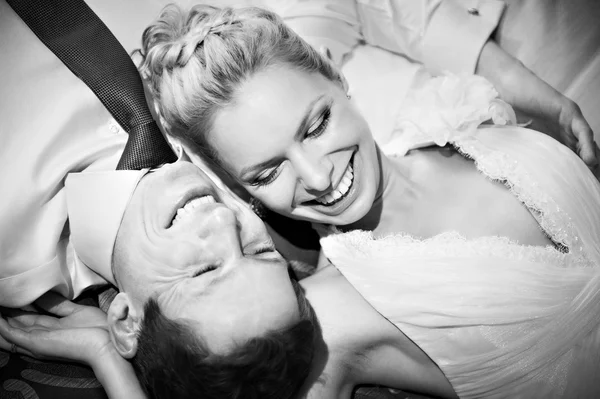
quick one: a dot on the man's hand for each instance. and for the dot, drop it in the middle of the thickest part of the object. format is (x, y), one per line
(552, 112)
(577, 134)
(72, 332)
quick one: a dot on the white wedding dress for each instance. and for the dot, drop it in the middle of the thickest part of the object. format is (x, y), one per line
(501, 320)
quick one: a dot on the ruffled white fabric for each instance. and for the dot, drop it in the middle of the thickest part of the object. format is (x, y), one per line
(502, 320)
(445, 109)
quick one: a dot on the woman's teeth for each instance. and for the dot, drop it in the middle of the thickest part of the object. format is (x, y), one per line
(340, 191)
(189, 206)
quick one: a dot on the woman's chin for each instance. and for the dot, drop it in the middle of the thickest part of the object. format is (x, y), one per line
(350, 214)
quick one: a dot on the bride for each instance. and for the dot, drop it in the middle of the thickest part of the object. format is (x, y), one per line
(477, 241)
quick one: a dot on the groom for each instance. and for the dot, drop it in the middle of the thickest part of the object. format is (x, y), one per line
(205, 303)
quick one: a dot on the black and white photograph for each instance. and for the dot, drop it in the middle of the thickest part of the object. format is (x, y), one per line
(299, 199)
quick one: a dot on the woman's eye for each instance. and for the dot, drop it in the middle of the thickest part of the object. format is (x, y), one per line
(315, 130)
(267, 177)
(319, 126)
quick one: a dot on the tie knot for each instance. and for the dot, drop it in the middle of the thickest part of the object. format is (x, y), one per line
(146, 148)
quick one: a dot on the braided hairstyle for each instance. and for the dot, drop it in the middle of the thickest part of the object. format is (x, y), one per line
(196, 60)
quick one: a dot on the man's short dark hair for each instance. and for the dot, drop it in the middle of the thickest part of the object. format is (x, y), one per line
(171, 362)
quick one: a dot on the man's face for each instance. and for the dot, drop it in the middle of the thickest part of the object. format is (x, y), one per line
(204, 256)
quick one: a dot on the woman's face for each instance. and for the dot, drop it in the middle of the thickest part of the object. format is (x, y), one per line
(297, 144)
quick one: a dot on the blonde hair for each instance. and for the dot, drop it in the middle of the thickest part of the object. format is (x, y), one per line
(196, 60)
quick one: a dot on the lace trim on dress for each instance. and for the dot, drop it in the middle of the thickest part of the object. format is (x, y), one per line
(501, 167)
(449, 110)
(454, 244)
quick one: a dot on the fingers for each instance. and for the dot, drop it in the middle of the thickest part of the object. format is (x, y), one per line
(30, 322)
(10, 347)
(27, 340)
(28, 319)
(577, 130)
(56, 304)
(13, 333)
(571, 142)
(11, 339)
(4, 344)
(78, 344)
(596, 169)
(586, 147)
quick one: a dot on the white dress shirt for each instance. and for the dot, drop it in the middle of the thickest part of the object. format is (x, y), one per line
(442, 34)
(51, 124)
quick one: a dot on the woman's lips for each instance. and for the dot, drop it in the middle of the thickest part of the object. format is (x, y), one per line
(339, 204)
(341, 190)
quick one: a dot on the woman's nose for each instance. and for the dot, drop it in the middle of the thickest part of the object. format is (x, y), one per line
(315, 172)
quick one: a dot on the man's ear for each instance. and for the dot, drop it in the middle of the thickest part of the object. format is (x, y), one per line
(123, 323)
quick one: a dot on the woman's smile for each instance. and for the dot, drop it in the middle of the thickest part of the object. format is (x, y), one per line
(341, 196)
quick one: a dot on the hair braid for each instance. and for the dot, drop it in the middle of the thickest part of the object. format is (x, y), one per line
(195, 61)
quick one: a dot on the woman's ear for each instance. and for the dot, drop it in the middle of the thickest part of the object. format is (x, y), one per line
(345, 85)
(325, 52)
(123, 323)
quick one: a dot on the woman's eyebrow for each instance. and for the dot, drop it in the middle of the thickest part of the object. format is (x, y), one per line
(302, 127)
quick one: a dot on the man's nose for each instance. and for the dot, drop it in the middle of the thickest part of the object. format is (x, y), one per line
(219, 229)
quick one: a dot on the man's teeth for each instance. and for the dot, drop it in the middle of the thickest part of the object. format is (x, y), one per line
(342, 188)
(191, 205)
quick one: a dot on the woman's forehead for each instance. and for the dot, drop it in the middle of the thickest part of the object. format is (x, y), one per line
(268, 110)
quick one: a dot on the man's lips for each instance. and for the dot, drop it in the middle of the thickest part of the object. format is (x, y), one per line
(189, 200)
(187, 209)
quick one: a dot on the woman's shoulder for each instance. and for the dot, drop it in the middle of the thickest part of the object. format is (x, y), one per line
(446, 108)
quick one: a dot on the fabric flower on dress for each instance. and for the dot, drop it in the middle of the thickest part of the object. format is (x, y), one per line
(449, 107)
